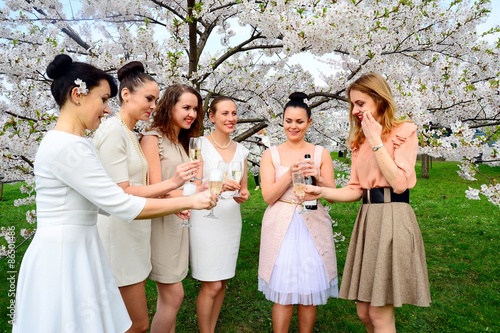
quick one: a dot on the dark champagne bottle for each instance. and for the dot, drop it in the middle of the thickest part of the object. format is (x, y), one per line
(310, 204)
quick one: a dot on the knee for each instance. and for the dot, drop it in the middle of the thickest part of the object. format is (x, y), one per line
(212, 288)
(363, 314)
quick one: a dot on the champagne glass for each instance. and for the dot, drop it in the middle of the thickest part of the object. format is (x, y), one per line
(188, 190)
(215, 186)
(195, 151)
(224, 167)
(236, 168)
(299, 187)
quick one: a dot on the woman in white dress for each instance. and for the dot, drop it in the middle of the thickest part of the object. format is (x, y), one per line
(214, 243)
(128, 244)
(65, 282)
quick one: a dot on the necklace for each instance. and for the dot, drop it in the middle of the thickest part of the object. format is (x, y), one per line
(227, 146)
(138, 150)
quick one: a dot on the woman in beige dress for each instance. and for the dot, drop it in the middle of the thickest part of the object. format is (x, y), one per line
(127, 245)
(385, 265)
(178, 116)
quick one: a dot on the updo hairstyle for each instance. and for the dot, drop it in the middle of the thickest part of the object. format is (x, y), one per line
(297, 101)
(132, 76)
(64, 72)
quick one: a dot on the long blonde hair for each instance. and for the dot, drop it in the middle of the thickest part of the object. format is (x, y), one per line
(377, 88)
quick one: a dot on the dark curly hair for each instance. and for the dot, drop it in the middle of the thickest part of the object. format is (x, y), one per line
(162, 116)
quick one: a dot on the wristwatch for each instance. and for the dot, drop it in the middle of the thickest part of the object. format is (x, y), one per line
(378, 147)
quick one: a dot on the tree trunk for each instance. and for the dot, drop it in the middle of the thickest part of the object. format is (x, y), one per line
(425, 166)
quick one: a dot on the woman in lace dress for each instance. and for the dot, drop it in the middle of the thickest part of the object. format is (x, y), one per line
(297, 263)
(385, 265)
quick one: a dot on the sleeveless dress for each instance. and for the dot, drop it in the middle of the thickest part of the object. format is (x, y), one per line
(127, 244)
(169, 241)
(385, 263)
(297, 262)
(65, 282)
(215, 243)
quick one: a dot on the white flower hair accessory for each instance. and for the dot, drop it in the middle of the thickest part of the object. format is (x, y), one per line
(82, 86)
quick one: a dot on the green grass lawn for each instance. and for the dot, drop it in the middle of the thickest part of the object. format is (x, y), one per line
(461, 238)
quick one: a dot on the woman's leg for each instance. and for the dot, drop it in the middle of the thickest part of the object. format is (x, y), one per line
(383, 318)
(282, 315)
(170, 298)
(208, 305)
(134, 297)
(307, 318)
(363, 314)
(377, 319)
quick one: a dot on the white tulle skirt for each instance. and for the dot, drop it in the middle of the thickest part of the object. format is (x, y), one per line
(299, 275)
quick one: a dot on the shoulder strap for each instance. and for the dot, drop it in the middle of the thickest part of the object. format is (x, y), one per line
(275, 155)
(318, 151)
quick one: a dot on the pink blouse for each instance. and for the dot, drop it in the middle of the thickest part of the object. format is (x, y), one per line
(402, 146)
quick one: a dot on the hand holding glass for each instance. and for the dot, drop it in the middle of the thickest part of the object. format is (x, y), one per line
(215, 186)
(188, 190)
(236, 172)
(299, 186)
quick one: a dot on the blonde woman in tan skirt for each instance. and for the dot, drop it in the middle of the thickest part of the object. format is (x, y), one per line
(385, 265)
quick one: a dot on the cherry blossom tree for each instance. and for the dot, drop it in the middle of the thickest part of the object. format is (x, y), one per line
(443, 73)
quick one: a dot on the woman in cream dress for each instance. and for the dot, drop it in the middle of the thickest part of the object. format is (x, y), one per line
(178, 116)
(128, 244)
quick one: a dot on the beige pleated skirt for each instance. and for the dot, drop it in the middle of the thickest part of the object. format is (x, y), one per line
(385, 262)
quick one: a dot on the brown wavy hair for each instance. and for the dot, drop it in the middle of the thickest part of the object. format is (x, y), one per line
(375, 86)
(162, 116)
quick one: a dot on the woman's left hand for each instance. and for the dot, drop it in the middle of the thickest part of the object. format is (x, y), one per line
(184, 215)
(309, 169)
(244, 196)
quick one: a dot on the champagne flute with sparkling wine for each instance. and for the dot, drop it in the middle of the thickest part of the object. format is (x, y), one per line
(236, 173)
(299, 185)
(215, 186)
(195, 150)
(188, 190)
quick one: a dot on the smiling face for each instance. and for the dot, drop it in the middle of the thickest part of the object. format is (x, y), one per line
(225, 116)
(295, 123)
(94, 105)
(362, 103)
(184, 111)
(140, 104)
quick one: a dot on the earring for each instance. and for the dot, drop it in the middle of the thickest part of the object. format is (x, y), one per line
(78, 103)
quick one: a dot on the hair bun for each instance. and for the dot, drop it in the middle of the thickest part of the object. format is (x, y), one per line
(130, 68)
(59, 66)
(298, 96)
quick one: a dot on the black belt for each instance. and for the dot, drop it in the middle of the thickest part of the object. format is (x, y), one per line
(384, 195)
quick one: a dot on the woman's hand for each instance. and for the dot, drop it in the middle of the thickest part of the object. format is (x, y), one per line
(313, 192)
(244, 196)
(309, 169)
(230, 185)
(184, 215)
(203, 200)
(185, 172)
(372, 129)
